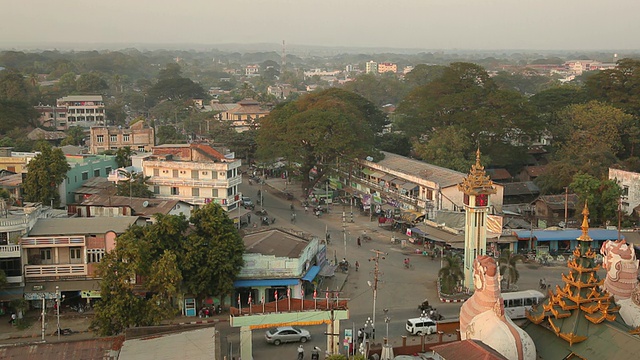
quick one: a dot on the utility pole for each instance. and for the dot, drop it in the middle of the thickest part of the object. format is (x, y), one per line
(58, 308)
(344, 234)
(566, 206)
(376, 273)
(43, 313)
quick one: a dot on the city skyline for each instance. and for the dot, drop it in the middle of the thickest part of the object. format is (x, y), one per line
(406, 24)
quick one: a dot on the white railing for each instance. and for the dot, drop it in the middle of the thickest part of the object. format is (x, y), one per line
(195, 183)
(9, 251)
(55, 270)
(15, 280)
(52, 241)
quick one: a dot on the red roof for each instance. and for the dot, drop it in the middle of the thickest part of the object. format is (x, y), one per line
(468, 350)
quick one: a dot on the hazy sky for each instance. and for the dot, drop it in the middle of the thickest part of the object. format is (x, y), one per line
(423, 24)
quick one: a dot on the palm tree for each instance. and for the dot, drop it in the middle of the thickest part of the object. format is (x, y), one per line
(507, 263)
(450, 273)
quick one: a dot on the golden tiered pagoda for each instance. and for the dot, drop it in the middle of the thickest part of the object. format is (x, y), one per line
(570, 310)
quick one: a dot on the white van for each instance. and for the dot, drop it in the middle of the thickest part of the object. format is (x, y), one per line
(419, 326)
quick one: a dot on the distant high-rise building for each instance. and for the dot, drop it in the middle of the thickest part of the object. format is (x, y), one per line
(371, 67)
(387, 67)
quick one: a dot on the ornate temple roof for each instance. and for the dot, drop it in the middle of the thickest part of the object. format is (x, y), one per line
(477, 182)
(580, 311)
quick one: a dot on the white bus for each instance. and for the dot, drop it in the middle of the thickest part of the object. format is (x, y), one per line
(515, 303)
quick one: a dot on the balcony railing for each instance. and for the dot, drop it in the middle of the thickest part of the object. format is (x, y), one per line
(196, 183)
(62, 241)
(9, 251)
(55, 270)
(15, 280)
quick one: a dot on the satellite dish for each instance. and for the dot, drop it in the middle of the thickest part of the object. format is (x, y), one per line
(145, 203)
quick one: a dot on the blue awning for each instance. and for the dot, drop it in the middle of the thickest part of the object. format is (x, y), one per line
(569, 234)
(265, 282)
(417, 231)
(312, 273)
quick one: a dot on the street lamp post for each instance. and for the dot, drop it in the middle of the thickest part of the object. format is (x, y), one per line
(387, 320)
(374, 285)
(364, 346)
(58, 308)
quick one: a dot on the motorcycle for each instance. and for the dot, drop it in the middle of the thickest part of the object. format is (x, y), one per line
(265, 221)
(262, 212)
(343, 266)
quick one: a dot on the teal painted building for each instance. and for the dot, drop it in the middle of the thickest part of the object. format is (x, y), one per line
(83, 168)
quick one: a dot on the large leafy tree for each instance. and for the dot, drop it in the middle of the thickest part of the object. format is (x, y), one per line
(90, 83)
(170, 258)
(619, 86)
(134, 187)
(588, 139)
(213, 253)
(448, 147)
(16, 114)
(44, 173)
(75, 136)
(379, 89)
(601, 195)
(319, 130)
(467, 98)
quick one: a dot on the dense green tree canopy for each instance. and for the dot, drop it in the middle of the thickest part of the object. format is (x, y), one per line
(379, 89)
(465, 97)
(602, 196)
(75, 136)
(44, 173)
(320, 129)
(169, 257)
(136, 187)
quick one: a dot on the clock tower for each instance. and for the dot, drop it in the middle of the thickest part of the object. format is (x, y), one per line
(476, 188)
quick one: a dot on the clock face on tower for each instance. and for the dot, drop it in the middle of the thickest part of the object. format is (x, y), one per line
(482, 200)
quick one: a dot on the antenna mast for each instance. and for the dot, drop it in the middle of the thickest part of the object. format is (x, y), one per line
(284, 57)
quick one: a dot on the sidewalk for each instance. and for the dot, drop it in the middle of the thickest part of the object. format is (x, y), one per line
(74, 321)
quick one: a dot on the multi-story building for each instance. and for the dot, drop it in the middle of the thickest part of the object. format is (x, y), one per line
(139, 137)
(14, 161)
(251, 70)
(13, 225)
(52, 116)
(387, 67)
(83, 110)
(65, 253)
(244, 115)
(402, 183)
(279, 261)
(83, 168)
(630, 183)
(371, 67)
(194, 173)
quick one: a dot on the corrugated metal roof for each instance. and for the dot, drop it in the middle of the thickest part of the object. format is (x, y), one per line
(275, 242)
(76, 226)
(439, 175)
(154, 206)
(193, 345)
(81, 98)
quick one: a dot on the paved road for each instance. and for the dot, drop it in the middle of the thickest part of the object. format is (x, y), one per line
(400, 290)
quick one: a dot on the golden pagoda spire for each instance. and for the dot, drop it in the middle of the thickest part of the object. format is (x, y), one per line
(477, 182)
(585, 224)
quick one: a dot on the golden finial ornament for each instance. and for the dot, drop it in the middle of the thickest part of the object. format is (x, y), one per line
(477, 182)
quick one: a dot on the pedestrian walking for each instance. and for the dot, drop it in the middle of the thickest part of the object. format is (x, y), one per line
(315, 354)
(249, 218)
(357, 265)
(300, 352)
(359, 241)
(12, 321)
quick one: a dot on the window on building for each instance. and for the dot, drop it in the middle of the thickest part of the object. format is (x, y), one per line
(107, 170)
(100, 138)
(229, 174)
(96, 173)
(95, 255)
(175, 173)
(625, 190)
(214, 193)
(45, 255)
(125, 137)
(195, 192)
(175, 190)
(156, 172)
(195, 174)
(156, 189)
(75, 253)
(141, 148)
(113, 138)
(85, 175)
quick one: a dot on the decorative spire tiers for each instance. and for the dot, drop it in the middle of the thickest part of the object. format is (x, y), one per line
(581, 303)
(477, 187)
